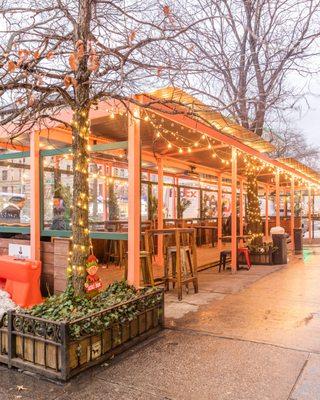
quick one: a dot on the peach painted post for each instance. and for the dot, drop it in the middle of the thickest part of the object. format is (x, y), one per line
(241, 208)
(35, 195)
(175, 195)
(134, 195)
(267, 214)
(160, 210)
(234, 211)
(309, 213)
(219, 212)
(292, 211)
(277, 197)
(104, 193)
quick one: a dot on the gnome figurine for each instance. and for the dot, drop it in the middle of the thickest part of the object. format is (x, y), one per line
(93, 282)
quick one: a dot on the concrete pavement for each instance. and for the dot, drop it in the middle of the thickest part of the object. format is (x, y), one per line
(252, 335)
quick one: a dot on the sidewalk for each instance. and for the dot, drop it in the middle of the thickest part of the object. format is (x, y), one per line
(249, 336)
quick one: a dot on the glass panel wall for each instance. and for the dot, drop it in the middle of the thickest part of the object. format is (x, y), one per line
(15, 192)
(57, 192)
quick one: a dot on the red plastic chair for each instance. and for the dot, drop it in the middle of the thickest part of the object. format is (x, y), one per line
(245, 252)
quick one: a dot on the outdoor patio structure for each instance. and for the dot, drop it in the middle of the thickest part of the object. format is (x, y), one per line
(171, 166)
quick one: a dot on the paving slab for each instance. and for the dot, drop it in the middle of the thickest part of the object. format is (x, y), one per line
(16, 385)
(281, 308)
(182, 365)
(308, 385)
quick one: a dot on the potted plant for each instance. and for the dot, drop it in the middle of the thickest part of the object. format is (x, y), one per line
(68, 334)
(260, 254)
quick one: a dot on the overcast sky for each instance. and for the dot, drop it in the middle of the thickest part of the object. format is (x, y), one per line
(308, 120)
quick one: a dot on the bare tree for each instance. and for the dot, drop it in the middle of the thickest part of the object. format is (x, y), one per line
(290, 143)
(57, 54)
(243, 55)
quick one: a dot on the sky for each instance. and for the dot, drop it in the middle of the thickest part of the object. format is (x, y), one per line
(308, 119)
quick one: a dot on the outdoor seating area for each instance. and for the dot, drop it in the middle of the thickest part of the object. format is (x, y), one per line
(152, 175)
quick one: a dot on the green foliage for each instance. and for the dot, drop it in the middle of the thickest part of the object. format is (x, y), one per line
(67, 307)
(113, 203)
(263, 248)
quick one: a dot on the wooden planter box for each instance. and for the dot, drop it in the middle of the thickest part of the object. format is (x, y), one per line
(48, 348)
(258, 258)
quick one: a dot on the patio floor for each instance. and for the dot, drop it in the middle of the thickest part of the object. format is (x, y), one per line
(206, 255)
(253, 335)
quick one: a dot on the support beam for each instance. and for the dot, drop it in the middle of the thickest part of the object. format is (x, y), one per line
(105, 193)
(160, 210)
(35, 196)
(175, 196)
(234, 212)
(292, 211)
(267, 213)
(134, 197)
(277, 205)
(241, 208)
(310, 214)
(219, 212)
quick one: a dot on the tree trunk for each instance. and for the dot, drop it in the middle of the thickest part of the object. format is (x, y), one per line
(80, 141)
(254, 220)
(80, 215)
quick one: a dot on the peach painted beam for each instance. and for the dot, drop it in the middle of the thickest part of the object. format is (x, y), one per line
(35, 196)
(11, 146)
(267, 213)
(175, 197)
(292, 212)
(234, 211)
(134, 197)
(219, 212)
(277, 205)
(241, 208)
(105, 186)
(310, 213)
(160, 210)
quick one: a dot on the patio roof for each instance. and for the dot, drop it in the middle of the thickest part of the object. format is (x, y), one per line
(193, 136)
(299, 166)
(215, 119)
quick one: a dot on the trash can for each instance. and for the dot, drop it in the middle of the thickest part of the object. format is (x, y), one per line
(298, 239)
(280, 255)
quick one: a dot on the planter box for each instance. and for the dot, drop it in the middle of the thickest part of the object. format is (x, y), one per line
(49, 349)
(258, 258)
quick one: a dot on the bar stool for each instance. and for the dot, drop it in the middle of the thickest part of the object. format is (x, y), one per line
(145, 268)
(186, 272)
(223, 259)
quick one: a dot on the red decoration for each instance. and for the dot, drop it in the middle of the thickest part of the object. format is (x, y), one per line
(93, 282)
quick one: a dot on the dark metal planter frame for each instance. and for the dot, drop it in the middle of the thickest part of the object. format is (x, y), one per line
(259, 258)
(47, 347)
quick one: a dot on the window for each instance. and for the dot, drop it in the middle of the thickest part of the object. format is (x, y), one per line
(4, 175)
